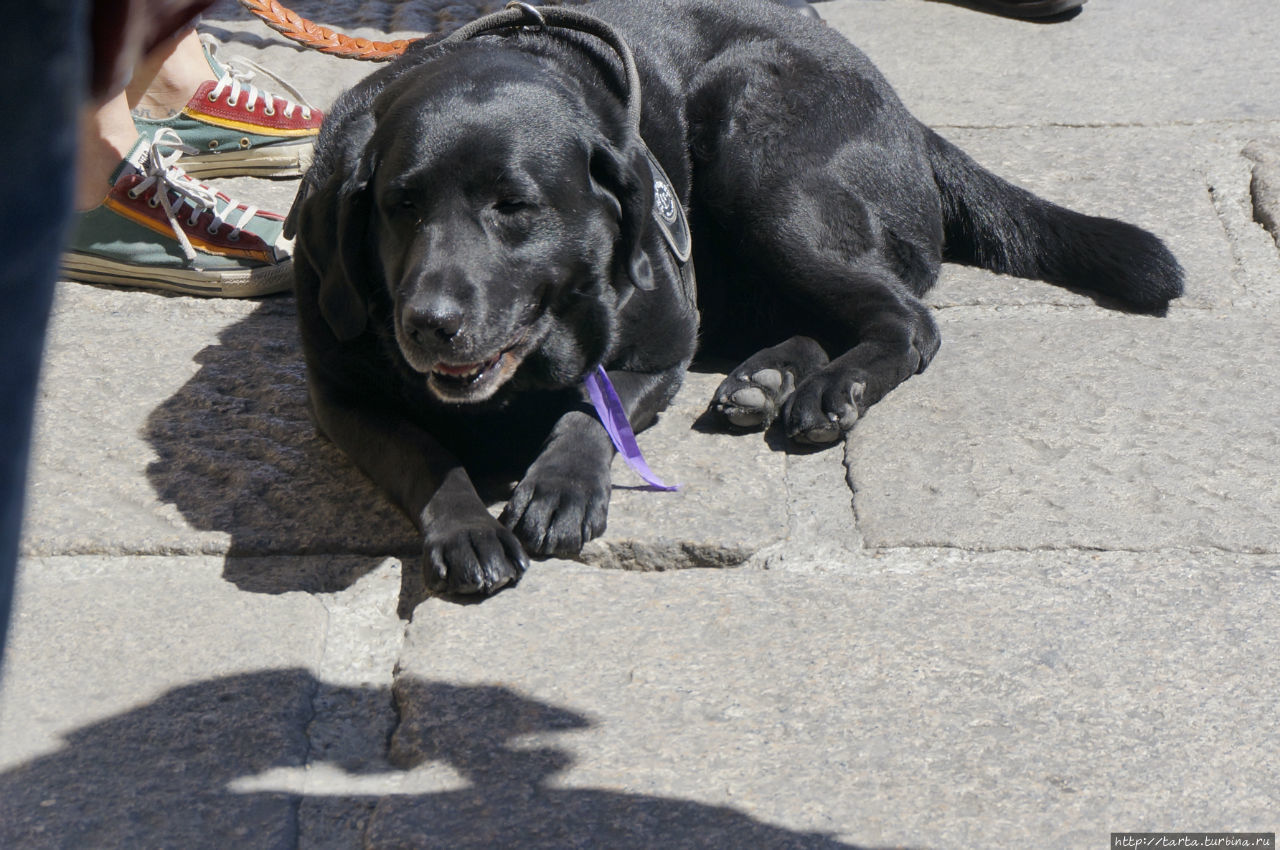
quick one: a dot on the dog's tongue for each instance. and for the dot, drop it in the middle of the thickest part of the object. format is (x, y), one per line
(465, 369)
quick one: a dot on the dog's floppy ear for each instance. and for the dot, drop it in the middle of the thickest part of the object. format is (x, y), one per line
(341, 303)
(624, 176)
(331, 216)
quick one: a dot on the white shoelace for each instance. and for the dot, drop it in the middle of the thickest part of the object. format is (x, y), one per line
(239, 72)
(162, 171)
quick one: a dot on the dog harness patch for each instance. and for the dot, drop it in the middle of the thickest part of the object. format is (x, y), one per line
(668, 212)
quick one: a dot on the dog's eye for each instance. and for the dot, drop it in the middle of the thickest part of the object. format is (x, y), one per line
(512, 206)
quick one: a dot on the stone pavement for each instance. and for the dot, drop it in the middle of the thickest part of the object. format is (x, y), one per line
(1032, 601)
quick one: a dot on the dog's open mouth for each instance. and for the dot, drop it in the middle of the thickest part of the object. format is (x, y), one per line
(473, 381)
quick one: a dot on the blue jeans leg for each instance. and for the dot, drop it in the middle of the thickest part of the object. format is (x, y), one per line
(44, 45)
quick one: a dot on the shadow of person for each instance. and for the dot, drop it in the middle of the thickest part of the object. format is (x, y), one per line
(511, 800)
(166, 774)
(157, 776)
(237, 452)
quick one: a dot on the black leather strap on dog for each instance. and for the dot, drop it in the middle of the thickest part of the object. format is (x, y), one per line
(668, 212)
(518, 14)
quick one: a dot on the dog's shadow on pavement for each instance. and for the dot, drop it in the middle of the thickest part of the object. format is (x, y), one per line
(237, 452)
(224, 763)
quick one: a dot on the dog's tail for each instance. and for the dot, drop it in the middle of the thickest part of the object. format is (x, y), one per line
(997, 226)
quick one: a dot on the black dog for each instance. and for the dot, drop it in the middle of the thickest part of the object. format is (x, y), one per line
(485, 224)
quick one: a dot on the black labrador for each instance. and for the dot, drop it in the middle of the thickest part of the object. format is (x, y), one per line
(494, 216)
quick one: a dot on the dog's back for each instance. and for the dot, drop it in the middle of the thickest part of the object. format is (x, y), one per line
(812, 94)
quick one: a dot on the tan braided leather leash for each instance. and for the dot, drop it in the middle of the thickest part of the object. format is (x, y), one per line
(293, 26)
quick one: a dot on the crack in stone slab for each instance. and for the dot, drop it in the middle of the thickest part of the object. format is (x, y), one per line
(1264, 188)
(663, 555)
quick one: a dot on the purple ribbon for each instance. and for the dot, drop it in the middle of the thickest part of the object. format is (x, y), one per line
(604, 398)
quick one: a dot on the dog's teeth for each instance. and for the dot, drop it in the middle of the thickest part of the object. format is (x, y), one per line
(460, 371)
(463, 374)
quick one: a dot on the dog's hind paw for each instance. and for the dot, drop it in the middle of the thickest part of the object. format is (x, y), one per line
(824, 408)
(753, 394)
(753, 400)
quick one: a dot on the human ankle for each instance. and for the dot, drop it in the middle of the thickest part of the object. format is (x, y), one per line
(168, 77)
(162, 102)
(107, 135)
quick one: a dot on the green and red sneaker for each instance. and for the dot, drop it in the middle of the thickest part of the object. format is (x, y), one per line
(238, 129)
(160, 229)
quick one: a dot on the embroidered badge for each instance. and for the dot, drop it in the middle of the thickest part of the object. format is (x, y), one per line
(664, 202)
(668, 213)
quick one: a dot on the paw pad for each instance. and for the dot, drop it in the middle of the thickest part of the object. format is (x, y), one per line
(752, 401)
(751, 397)
(770, 379)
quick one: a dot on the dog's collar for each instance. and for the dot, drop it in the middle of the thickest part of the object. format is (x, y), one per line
(518, 15)
(668, 212)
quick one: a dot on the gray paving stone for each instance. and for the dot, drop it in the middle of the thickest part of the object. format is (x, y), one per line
(174, 425)
(1236, 200)
(706, 523)
(1119, 62)
(960, 700)
(353, 715)
(1070, 428)
(1155, 178)
(136, 690)
(180, 425)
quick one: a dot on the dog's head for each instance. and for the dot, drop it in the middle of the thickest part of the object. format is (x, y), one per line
(499, 214)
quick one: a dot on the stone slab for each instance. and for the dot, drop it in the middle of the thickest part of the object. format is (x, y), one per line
(1067, 428)
(940, 700)
(707, 522)
(178, 425)
(148, 702)
(1236, 198)
(1154, 178)
(135, 689)
(1118, 62)
(352, 715)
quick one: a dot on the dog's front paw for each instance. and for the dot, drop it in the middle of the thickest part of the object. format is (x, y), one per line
(556, 511)
(824, 406)
(471, 555)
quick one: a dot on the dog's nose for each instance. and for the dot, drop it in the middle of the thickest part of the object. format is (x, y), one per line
(436, 321)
